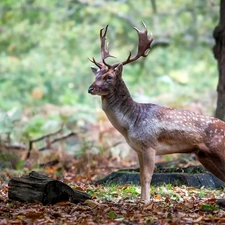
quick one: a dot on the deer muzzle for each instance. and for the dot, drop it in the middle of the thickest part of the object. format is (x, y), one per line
(91, 90)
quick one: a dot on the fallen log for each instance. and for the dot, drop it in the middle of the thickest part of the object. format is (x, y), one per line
(37, 187)
(167, 173)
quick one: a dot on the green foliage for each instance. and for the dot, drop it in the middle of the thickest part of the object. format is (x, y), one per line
(113, 192)
(112, 215)
(44, 46)
(209, 207)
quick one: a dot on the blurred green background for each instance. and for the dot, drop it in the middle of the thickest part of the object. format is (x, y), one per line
(45, 45)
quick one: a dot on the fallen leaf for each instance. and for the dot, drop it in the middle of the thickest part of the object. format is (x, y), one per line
(63, 203)
(34, 215)
(91, 203)
(198, 219)
(157, 198)
(111, 214)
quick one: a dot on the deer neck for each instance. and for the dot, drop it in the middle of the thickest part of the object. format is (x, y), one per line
(119, 107)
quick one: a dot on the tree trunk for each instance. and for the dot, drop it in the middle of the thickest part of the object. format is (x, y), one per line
(219, 53)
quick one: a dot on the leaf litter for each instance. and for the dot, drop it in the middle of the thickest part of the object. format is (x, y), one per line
(118, 205)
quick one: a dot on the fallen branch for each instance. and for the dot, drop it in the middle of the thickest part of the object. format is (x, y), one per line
(49, 143)
(14, 146)
(43, 137)
(39, 139)
(57, 139)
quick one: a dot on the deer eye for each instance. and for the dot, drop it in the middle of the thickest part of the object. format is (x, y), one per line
(109, 77)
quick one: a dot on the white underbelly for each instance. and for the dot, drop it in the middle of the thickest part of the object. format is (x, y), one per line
(164, 148)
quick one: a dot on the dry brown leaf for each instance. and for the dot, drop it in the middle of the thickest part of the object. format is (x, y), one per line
(158, 198)
(79, 188)
(63, 203)
(92, 203)
(198, 219)
(34, 215)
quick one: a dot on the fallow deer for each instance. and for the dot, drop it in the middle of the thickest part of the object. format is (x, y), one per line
(151, 129)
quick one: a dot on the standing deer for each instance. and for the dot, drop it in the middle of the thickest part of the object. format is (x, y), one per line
(152, 129)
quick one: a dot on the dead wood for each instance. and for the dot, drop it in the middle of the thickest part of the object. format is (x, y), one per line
(37, 187)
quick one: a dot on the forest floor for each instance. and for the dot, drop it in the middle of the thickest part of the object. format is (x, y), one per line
(110, 204)
(113, 204)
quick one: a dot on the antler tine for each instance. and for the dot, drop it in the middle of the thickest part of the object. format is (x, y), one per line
(144, 45)
(104, 50)
(145, 31)
(99, 65)
(104, 46)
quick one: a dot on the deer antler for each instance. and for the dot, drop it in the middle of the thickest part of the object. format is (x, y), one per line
(104, 49)
(144, 45)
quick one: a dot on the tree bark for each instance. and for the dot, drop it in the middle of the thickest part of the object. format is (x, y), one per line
(219, 53)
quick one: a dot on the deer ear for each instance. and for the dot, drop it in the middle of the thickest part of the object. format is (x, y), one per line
(118, 70)
(94, 69)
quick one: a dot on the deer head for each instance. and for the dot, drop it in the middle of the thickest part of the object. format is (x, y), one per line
(107, 74)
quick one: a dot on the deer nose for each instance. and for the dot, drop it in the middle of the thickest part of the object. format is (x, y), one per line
(90, 90)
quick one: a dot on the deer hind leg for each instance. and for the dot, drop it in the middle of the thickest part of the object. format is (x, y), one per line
(147, 165)
(214, 163)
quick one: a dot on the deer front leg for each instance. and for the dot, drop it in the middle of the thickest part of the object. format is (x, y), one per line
(140, 158)
(147, 165)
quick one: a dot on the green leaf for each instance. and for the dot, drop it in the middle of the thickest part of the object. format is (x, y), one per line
(111, 214)
(209, 207)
